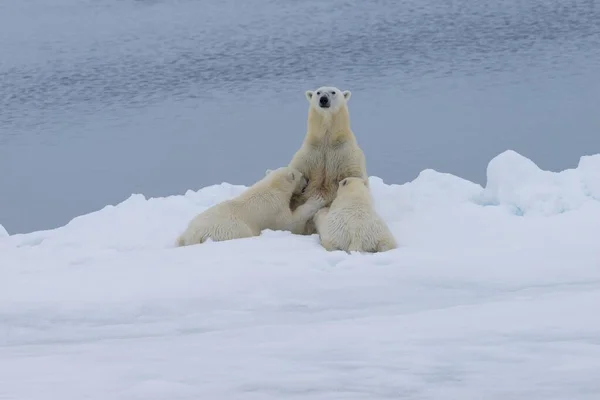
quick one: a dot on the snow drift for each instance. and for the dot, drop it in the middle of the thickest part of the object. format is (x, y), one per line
(493, 293)
(517, 183)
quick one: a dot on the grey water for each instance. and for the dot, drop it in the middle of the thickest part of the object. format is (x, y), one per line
(100, 99)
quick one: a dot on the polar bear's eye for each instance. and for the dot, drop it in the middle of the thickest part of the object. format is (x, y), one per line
(333, 92)
(318, 93)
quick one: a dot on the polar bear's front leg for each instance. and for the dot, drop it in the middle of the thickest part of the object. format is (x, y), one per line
(305, 212)
(301, 162)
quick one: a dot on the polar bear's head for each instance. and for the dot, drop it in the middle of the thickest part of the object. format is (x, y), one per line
(352, 184)
(288, 179)
(328, 99)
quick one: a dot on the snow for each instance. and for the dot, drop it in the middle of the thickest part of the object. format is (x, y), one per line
(493, 294)
(516, 182)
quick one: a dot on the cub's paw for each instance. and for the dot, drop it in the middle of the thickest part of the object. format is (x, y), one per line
(317, 201)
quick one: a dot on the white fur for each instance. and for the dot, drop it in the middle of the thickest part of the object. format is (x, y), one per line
(337, 98)
(264, 205)
(330, 151)
(351, 223)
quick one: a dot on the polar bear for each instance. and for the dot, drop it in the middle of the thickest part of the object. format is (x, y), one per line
(330, 151)
(351, 223)
(265, 205)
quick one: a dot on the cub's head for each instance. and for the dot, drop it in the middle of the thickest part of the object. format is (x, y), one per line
(328, 99)
(352, 184)
(287, 179)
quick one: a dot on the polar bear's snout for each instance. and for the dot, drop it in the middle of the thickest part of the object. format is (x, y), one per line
(324, 101)
(303, 184)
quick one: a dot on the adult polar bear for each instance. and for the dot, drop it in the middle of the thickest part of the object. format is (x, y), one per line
(330, 152)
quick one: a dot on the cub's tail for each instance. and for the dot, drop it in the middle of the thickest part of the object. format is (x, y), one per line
(356, 244)
(386, 245)
(180, 241)
(183, 240)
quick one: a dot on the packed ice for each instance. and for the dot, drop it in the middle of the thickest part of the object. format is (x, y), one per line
(493, 293)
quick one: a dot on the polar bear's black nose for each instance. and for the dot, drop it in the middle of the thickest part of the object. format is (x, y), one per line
(324, 101)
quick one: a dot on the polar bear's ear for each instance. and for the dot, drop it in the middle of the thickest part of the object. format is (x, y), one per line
(268, 172)
(291, 176)
(309, 95)
(347, 94)
(344, 182)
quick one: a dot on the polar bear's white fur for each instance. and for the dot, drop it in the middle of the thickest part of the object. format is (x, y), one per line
(264, 205)
(351, 223)
(330, 151)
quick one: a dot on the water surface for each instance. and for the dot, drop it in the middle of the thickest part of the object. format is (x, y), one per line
(101, 99)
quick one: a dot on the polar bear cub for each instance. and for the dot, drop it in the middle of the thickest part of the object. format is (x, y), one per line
(351, 223)
(264, 205)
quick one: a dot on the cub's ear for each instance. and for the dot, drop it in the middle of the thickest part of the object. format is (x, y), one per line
(268, 172)
(291, 176)
(309, 95)
(344, 182)
(347, 94)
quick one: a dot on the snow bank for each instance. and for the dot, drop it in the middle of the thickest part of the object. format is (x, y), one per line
(3, 231)
(476, 302)
(515, 182)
